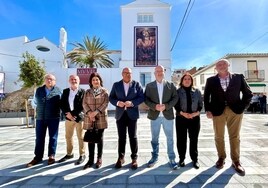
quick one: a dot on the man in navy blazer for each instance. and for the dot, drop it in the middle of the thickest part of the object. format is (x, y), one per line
(126, 95)
(71, 106)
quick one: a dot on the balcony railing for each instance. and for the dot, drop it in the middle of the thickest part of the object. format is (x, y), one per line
(255, 75)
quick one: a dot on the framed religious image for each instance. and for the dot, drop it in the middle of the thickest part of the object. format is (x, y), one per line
(145, 46)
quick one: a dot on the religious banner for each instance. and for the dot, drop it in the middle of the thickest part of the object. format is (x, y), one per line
(145, 46)
(84, 74)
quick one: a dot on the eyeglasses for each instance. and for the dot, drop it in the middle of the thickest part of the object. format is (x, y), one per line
(51, 79)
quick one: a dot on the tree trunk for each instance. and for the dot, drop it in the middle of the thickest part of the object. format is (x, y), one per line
(27, 112)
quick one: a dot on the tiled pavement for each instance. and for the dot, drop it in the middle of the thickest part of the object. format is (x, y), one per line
(17, 145)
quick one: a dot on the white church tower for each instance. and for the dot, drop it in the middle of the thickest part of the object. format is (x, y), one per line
(146, 38)
(63, 44)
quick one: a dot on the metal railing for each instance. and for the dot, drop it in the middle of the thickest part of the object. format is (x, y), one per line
(255, 75)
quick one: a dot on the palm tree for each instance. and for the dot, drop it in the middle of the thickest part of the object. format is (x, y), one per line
(92, 53)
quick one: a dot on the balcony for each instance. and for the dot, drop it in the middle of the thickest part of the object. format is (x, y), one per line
(255, 75)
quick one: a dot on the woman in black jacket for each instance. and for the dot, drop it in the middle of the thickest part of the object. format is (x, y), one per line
(188, 110)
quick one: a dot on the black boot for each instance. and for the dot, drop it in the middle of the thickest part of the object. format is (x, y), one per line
(89, 164)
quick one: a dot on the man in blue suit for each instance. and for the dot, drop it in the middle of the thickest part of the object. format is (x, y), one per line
(126, 95)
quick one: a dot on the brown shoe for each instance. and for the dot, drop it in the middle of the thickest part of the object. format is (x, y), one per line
(98, 163)
(238, 168)
(51, 160)
(33, 162)
(119, 163)
(220, 163)
(134, 164)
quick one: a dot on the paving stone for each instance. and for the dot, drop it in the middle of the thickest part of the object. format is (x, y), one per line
(17, 148)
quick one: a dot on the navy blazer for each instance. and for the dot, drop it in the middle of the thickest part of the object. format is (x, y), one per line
(215, 99)
(78, 103)
(135, 95)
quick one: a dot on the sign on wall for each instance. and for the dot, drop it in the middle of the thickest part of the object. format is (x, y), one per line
(84, 73)
(145, 46)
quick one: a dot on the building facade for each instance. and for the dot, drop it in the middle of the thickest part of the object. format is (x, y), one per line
(145, 44)
(254, 66)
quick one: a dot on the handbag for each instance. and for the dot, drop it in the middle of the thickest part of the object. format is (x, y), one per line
(92, 135)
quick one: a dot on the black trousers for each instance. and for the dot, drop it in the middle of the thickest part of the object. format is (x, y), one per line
(192, 126)
(91, 147)
(124, 125)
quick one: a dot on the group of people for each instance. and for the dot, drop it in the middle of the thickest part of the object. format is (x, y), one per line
(85, 109)
(258, 103)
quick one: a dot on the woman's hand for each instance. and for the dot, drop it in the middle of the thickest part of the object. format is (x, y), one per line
(92, 115)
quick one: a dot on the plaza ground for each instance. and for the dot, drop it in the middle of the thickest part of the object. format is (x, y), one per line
(17, 145)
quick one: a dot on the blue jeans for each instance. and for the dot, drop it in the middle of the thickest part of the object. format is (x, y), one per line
(168, 130)
(40, 131)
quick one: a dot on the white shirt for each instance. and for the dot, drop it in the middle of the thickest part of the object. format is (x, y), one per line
(126, 87)
(71, 98)
(160, 88)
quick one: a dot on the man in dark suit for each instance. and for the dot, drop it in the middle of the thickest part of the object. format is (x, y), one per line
(71, 106)
(161, 96)
(224, 104)
(126, 95)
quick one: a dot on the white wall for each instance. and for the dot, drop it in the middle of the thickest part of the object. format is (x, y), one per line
(161, 13)
(11, 51)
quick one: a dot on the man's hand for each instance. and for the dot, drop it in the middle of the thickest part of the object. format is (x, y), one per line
(121, 104)
(209, 114)
(160, 107)
(69, 116)
(128, 104)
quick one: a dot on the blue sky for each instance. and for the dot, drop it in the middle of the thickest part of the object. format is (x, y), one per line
(213, 28)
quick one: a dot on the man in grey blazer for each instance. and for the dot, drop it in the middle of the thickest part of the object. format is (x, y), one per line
(126, 95)
(161, 96)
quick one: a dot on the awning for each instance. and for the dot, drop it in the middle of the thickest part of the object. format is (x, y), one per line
(257, 85)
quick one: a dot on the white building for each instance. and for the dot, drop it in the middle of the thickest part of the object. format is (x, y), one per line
(254, 66)
(11, 51)
(140, 52)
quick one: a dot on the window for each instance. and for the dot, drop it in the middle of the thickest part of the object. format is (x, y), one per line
(252, 69)
(42, 48)
(202, 79)
(145, 78)
(145, 18)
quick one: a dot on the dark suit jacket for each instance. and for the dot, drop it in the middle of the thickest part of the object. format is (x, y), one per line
(215, 99)
(135, 95)
(169, 99)
(78, 103)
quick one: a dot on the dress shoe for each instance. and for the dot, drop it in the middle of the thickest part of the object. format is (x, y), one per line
(66, 157)
(88, 164)
(152, 162)
(80, 160)
(220, 163)
(196, 165)
(33, 162)
(238, 168)
(173, 164)
(134, 164)
(119, 163)
(182, 163)
(51, 160)
(98, 163)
